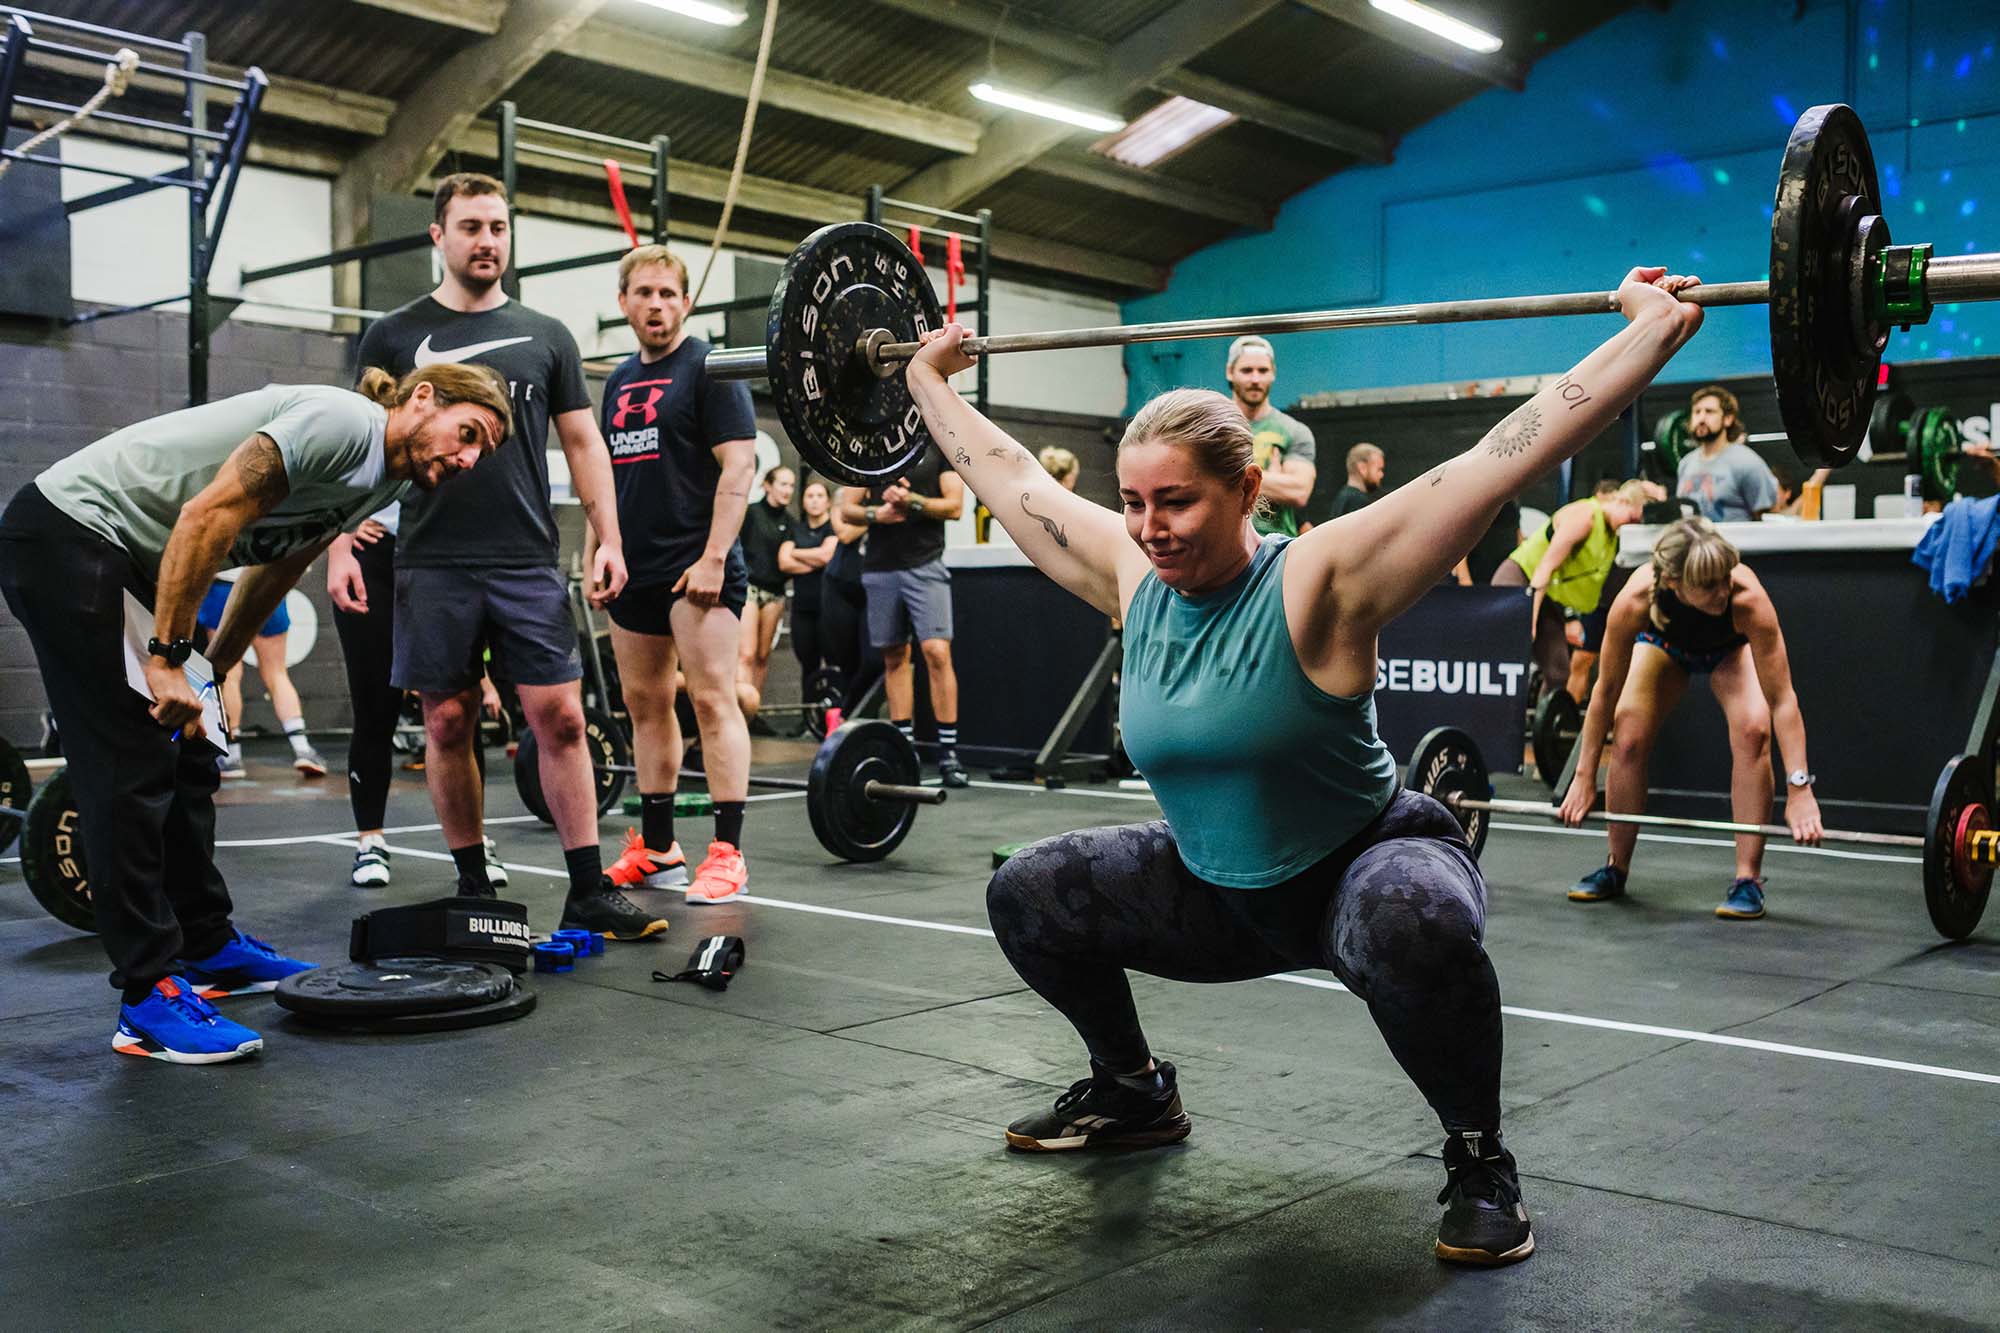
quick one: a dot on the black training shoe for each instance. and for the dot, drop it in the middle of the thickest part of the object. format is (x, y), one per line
(1101, 1112)
(479, 888)
(1485, 1221)
(610, 913)
(953, 772)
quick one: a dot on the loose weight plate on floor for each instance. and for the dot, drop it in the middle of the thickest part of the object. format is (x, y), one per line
(603, 738)
(17, 786)
(52, 855)
(394, 995)
(1558, 724)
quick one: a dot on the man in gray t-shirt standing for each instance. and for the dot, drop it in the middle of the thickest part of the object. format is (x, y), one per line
(1724, 477)
(1281, 446)
(264, 480)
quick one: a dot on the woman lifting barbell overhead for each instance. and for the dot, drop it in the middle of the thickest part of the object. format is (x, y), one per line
(1288, 841)
(1696, 607)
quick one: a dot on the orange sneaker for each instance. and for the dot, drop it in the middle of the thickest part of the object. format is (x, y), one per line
(640, 866)
(721, 877)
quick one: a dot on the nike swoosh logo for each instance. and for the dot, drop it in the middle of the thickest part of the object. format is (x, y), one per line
(425, 356)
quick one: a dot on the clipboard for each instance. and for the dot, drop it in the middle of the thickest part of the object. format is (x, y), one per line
(200, 675)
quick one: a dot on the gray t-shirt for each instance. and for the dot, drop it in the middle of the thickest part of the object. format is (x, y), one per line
(1275, 435)
(129, 486)
(1733, 487)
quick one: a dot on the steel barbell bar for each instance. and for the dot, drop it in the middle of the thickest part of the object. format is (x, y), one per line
(874, 789)
(1974, 277)
(1505, 807)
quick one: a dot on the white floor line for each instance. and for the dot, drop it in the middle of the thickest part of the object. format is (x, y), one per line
(1036, 789)
(1838, 853)
(1322, 983)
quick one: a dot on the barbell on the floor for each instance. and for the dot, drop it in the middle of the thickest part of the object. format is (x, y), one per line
(1960, 844)
(862, 791)
(852, 304)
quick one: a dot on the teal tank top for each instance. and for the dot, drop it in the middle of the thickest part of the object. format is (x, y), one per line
(1259, 772)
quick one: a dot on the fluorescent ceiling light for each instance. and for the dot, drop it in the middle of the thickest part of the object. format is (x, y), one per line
(1163, 131)
(721, 15)
(1036, 106)
(1444, 25)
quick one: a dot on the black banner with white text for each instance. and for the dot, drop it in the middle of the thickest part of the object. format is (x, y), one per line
(1458, 658)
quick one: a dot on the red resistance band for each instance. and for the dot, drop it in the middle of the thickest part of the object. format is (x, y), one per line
(615, 180)
(917, 243)
(954, 274)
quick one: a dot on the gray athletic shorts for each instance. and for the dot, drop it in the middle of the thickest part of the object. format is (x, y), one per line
(903, 603)
(446, 619)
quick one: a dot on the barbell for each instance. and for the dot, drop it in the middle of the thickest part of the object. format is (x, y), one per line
(852, 303)
(862, 791)
(1960, 845)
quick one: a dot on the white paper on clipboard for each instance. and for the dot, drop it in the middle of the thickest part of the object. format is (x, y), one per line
(201, 677)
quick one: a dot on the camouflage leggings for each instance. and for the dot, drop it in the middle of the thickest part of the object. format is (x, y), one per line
(1397, 914)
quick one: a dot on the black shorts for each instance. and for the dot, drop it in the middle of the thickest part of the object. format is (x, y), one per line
(643, 607)
(446, 619)
(1593, 627)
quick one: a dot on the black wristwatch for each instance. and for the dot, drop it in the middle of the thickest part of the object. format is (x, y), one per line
(175, 653)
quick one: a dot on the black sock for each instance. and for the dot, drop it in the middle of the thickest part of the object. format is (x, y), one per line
(1150, 1082)
(947, 738)
(586, 869)
(908, 727)
(138, 994)
(656, 819)
(471, 863)
(729, 823)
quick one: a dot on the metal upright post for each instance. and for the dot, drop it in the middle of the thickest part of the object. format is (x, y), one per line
(662, 200)
(198, 240)
(510, 170)
(14, 35)
(873, 209)
(985, 301)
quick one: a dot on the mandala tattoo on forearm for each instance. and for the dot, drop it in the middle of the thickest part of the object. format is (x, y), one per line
(1517, 432)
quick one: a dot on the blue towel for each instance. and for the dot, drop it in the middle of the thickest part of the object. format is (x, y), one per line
(1959, 546)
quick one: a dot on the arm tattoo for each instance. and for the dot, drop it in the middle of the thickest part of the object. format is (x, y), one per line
(961, 457)
(261, 469)
(1002, 451)
(1517, 432)
(1437, 474)
(1049, 525)
(1572, 393)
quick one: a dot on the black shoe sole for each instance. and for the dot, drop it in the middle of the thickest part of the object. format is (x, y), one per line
(1155, 1136)
(1452, 1254)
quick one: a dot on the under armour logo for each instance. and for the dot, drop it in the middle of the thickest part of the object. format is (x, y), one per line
(629, 409)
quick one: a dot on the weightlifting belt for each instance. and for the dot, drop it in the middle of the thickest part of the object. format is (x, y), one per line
(479, 930)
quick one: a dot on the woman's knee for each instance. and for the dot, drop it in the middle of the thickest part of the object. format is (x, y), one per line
(1750, 737)
(1409, 908)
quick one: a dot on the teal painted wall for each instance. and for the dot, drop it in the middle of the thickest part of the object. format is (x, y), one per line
(1654, 139)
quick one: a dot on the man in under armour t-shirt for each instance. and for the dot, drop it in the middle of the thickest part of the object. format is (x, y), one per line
(683, 449)
(262, 480)
(478, 571)
(1281, 445)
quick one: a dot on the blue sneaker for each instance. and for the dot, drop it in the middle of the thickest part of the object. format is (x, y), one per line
(1744, 901)
(241, 967)
(1607, 881)
(178, 1026)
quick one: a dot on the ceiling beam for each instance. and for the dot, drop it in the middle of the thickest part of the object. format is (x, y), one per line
(614, 45)
(816, 208)
(445, 104)
(1179, 195)
(285, 99)
(1023, 32)
(1496, 69)
(1310, 126)
(480, 16)
(1012, 142)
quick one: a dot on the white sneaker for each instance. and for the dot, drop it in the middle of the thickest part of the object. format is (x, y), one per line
(371, 864)
(496, 874)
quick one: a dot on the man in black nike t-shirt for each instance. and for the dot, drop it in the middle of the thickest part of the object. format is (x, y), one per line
(478, 573)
